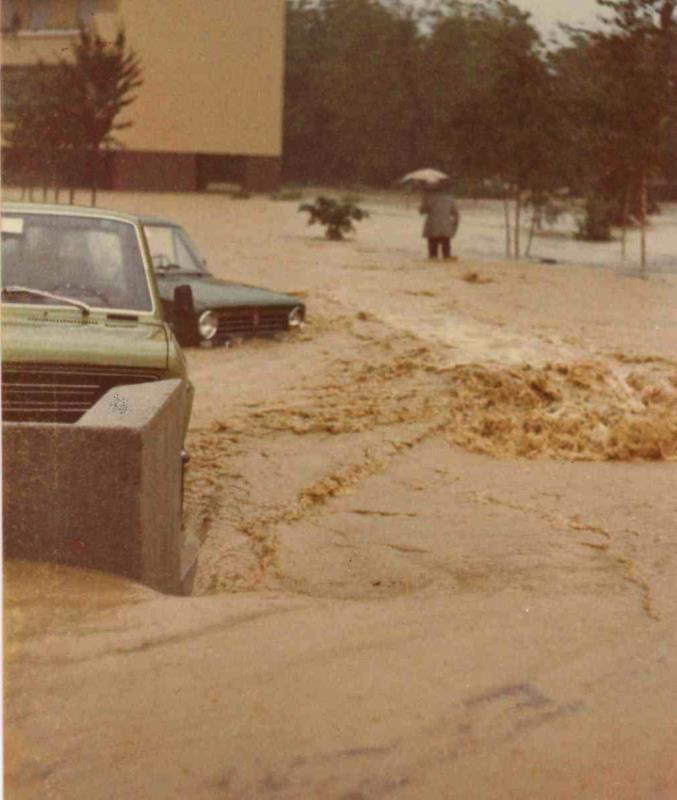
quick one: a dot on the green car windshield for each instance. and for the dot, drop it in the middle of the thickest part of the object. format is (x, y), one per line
(95, 261)
(172, 251)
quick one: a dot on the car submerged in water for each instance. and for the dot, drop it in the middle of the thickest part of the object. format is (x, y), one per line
(81, 316)
(224, 310)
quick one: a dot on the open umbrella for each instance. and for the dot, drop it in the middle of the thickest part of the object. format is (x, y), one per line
(424, 177)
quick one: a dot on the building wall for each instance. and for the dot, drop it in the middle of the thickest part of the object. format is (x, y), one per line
(47, 28)
(212, 75)
(213, 84)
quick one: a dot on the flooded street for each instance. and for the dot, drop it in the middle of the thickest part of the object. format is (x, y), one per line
(438, 532)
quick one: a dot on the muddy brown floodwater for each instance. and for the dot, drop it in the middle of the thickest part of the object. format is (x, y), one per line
(439, 544)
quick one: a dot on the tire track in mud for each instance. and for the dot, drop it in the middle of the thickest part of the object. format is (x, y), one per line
(613, 546)
(586, 410)
(260, 529)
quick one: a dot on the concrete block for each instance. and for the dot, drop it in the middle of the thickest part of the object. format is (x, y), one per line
(105, 492)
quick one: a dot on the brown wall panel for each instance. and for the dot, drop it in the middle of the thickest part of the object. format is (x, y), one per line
(162, 172)
(261, 173)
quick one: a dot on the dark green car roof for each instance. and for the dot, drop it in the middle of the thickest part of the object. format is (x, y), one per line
(148, 220)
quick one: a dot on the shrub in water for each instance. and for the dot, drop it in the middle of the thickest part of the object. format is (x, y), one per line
(595, 224)
(337, 216)
(240, 194)
(286, 194)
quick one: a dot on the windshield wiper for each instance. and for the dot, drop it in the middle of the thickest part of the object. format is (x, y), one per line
(48, 295)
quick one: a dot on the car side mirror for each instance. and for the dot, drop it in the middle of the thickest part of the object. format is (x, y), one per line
(184, 318)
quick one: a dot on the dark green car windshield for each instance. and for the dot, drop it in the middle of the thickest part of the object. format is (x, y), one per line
(95, 261)
(172, 251)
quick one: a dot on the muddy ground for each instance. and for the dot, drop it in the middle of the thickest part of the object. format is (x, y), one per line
(439, 540)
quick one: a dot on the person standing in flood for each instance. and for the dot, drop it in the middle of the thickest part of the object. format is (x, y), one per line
(442, 218)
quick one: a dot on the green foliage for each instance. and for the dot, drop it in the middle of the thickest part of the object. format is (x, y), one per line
(468, 87)
(38, 117)
(354, 116)
(462, 86)
(485, 69)
(547, 207)
(286, 194)
(337, 216)
(634, 59)
(72, 108)
(351, 197)
(594, 225)
(618, 86)
(104, 77)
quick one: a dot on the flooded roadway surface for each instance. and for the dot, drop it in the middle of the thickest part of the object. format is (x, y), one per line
(439, 550)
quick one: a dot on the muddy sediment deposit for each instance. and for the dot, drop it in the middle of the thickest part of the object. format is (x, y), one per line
(588, 410)
(622, 408)
(580, 411)
(438, 540)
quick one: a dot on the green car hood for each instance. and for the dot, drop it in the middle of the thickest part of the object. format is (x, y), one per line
(211, 292)
(64, 338)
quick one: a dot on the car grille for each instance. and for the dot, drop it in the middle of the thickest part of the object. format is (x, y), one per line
(251, 321)
(51, 393)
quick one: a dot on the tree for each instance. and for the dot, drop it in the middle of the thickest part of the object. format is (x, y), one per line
(102, 79)
(353, 116)
(37, 116)
(305, 116)
(336, 215)
(522, 112)
(71, 108)
(495, 105)
(468, 87)
(635, 58)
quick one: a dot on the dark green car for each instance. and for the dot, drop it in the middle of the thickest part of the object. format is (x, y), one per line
(223, 310)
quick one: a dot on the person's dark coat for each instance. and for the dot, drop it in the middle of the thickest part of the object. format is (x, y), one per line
(442, 216)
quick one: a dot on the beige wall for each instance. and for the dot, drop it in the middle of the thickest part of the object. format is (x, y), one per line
(36, 47)
(212, 70)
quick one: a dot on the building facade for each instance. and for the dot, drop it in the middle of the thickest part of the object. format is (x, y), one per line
(210, 108)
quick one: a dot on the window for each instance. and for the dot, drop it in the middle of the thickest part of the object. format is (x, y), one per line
(171, 250)
(38, 14)
(11, 20)
(47, 15)
(86, 11)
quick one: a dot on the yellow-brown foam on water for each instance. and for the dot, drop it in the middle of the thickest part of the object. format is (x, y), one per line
(588, 410)
(576, 411)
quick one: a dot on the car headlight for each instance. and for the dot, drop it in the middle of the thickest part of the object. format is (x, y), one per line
(296, 317)
(208, 324)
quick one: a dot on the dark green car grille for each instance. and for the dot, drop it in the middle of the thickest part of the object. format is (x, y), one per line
(247, 321)
(61, 393)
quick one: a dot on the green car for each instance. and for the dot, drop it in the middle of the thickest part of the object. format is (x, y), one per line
(223, 310)
(81, 315)
(61, 264)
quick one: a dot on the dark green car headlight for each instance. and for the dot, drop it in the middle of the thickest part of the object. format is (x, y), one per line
(208, 324)
(295, 317)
